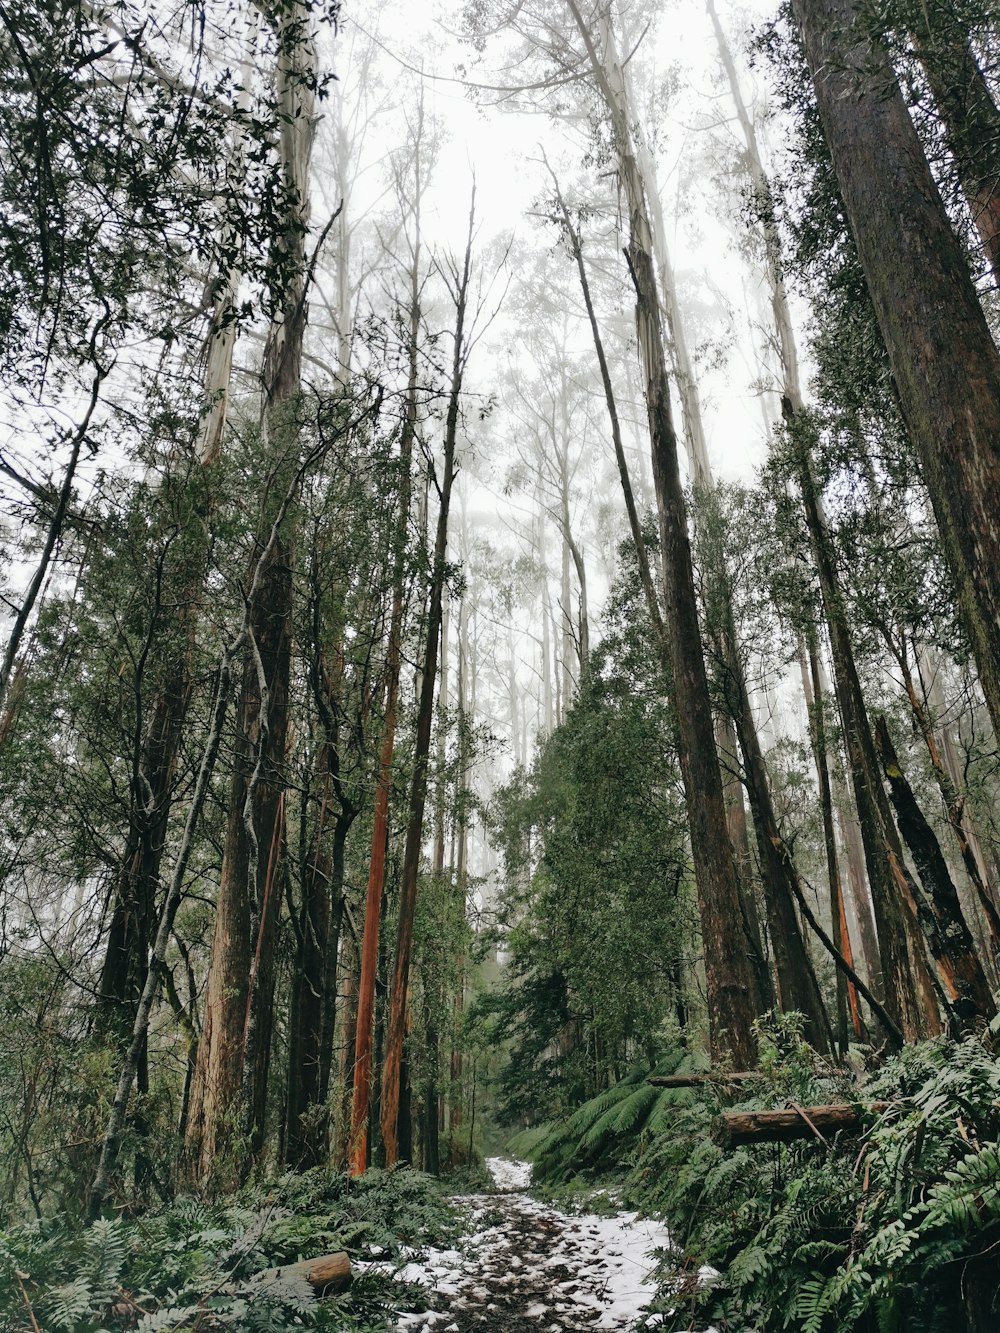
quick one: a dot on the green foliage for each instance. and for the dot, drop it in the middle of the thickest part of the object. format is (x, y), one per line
(832, 1238)
(607, 1130)
(595, 914)
(196, 1265)
(884, 1229)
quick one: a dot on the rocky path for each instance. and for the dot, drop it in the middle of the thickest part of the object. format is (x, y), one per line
(527, 1268)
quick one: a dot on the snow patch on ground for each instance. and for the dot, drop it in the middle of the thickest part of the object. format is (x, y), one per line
(525, 1267)
(509, 1175)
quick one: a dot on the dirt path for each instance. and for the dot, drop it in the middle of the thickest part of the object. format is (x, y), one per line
(528, 1268)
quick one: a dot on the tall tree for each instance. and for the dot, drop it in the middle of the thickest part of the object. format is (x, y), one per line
(728, 973)
(230, 1087)
(409, 197)
(944, 360)
(909, 997)
(459, 279)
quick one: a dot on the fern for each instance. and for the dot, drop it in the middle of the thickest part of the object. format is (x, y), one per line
(968, 1198)
(825, 1239)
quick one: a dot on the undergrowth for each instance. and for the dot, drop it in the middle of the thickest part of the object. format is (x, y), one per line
(195, 1265)
(892, 1227)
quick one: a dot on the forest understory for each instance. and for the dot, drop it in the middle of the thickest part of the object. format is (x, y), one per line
(500, 665)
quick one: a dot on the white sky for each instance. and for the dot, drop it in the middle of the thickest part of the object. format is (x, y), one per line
(502, 147)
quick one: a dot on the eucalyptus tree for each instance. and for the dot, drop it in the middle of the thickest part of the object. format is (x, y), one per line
(909, 914)
(471, 294)
(948, 377)
(411, 171)
(548, 406)
(576, 46)
(234, 1051)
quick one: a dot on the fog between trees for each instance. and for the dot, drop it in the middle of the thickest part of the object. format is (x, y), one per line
(500, 566)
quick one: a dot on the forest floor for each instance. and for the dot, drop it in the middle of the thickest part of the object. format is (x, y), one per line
(526, 1267)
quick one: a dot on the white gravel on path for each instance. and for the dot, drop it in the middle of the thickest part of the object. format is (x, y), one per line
(527, 1267)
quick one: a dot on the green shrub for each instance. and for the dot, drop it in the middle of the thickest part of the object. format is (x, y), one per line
(198, 1265)
(881, 1230)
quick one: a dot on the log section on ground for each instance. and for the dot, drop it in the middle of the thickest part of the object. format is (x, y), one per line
(799, 1122)
(327, 1273)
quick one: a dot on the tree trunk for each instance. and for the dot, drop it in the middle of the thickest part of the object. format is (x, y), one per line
(725, 734)
(734, 1128)
(908, 992)
(728, 973)
(234, 1054)
(398, 996)
(362, 1080)
(813, 688)
(944, 361)
(958, 819)
(796, 980)
(942, 920)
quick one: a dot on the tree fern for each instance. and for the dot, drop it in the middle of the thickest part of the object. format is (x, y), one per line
(622, 1117)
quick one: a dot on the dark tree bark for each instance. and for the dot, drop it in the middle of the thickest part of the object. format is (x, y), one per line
(314, 991)
(729, 977)
(909, 994)
(949, 939)
(944, 361)
(725, 736)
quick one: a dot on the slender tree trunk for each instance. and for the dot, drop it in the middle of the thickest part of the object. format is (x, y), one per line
(725, 733)
(954, 805)
(909, 996)
(398, 995)
(55, 528)
(305, 1009)
(314, 993)
(796, 980)
(944, 361)
(728, 973)
(234, 1053)
(461, 878)
(857, 880)
(362, 1083)
(347, 1026)
(725, 730)
(813, 689)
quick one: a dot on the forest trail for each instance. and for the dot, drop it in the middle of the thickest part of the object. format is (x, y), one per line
(525, 1267)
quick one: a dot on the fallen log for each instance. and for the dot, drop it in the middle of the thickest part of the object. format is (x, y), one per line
(696, 1080)
(328, 1273)
(733, 1128)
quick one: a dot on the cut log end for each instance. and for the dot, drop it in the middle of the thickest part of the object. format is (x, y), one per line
(326, 1274)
